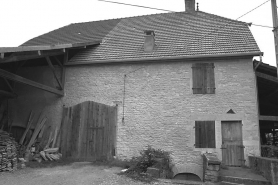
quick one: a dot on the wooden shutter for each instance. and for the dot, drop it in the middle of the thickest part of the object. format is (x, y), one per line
(210, 129)
(203, 78)
(210, 80)
(205, 134)
(198, 134)
(198, 78)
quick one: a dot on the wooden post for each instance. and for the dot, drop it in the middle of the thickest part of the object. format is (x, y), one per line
(275, 24)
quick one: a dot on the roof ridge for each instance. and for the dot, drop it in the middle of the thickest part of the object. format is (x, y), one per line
(120, 18)
(221, 17)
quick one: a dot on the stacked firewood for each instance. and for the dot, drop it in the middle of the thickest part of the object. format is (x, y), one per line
(8, 152)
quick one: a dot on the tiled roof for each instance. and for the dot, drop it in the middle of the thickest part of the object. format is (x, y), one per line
(75, 33)
(176, 34)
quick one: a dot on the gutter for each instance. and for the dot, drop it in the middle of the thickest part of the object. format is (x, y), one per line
(164, 58)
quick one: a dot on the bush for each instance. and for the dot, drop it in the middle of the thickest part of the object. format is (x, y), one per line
(151, 157)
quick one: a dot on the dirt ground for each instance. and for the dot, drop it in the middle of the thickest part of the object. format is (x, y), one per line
(76, 173)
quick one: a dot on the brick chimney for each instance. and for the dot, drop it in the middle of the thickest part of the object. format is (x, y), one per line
(149, 41)
(189, 5)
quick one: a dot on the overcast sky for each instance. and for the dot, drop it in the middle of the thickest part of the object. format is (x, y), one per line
(22, 20)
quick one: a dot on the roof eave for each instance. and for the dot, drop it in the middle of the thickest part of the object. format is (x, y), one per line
(193, 57)
(46, 47)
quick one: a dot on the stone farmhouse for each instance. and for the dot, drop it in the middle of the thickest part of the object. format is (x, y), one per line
(182, 82)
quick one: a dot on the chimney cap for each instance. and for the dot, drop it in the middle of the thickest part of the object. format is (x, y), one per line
(149, 32)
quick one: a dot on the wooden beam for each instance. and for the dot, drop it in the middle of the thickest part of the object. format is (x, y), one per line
(16, 58)
(58, 61)
(16, 78)
(45, 47)
(7, 94)
(66, 57)
(268, 118)
(9, 85)
(54, 72)
(267, 77)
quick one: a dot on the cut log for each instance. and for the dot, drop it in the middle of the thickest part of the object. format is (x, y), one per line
(48, 157)
(54, 157)
(51, 150)
(29, 123)
(43, 155)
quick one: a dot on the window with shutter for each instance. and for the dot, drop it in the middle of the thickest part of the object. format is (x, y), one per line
(204, 134)
(203, 78)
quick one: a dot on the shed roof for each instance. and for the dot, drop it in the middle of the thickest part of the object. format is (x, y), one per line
(179, 34)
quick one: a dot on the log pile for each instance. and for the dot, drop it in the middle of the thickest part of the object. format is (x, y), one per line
(8, 152)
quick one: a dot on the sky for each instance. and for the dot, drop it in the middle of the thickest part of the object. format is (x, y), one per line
(22, 20)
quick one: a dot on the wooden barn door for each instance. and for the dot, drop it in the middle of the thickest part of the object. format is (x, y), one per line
(232, 145)
(89, 131)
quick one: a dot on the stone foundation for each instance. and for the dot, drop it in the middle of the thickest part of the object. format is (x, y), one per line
(211, 167)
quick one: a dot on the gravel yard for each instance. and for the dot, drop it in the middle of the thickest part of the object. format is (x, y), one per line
(77, 173)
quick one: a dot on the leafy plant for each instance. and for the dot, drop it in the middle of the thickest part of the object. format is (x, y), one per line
(151, 157)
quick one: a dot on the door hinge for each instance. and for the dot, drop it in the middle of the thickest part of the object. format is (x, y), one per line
(241, 159)
(241, 146)
(223, 148)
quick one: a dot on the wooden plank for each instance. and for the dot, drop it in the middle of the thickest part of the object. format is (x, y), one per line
(267, 77)
(268, 118)
(75, 128)
(36, 132)
(85, 129)
(50, 139)
(55, 137)
(16, 78)
(64, 131)
(69, 133)
(28, 126)
(54, 72)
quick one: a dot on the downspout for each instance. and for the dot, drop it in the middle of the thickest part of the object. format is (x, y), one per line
(258, 104)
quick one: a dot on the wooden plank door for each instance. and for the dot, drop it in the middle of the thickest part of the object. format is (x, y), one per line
(89, 131)
(232, 145)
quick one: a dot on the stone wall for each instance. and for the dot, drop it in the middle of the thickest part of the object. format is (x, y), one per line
(266, 166)
(160, 108)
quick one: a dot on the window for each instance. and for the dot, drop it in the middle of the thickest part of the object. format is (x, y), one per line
(204, 134)
(203, 78)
